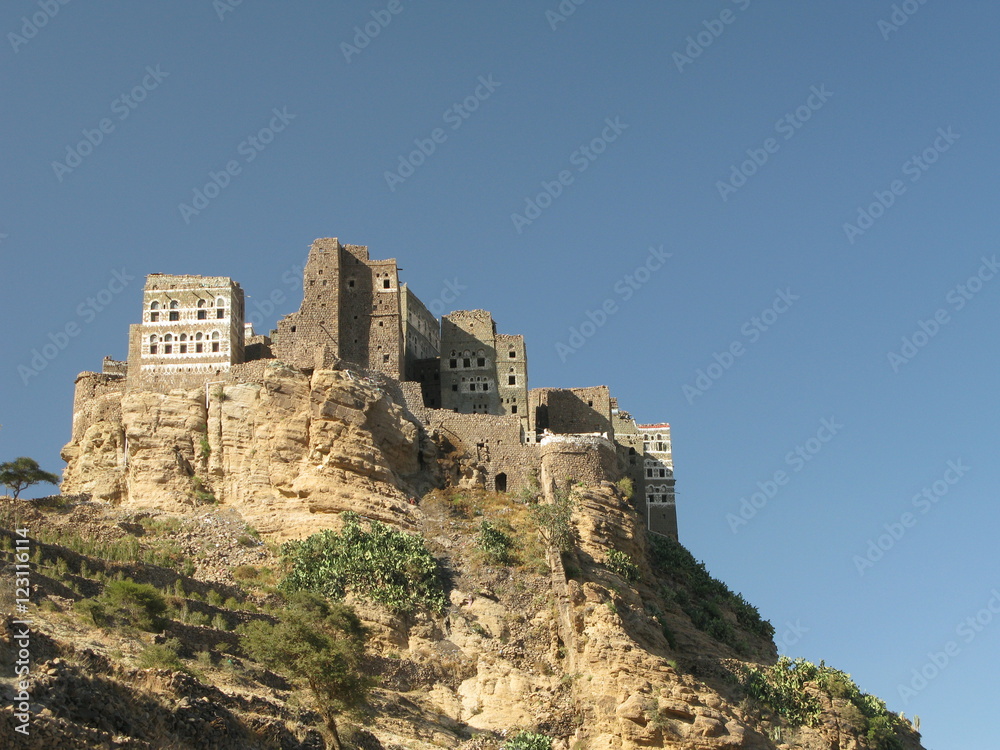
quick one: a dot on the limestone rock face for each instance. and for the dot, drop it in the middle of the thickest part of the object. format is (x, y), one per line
(288, 451)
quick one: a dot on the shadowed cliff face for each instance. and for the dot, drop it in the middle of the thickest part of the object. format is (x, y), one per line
(287, 451)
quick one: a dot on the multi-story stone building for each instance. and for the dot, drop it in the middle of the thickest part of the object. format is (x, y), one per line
(458, 378)
(658, 466)
(354, 310)
(192, 327)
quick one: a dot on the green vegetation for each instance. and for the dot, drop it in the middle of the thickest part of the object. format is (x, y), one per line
(206, 448)
(201, 493)
(378, 564)
(626, 487)
(621, 564)
(496, 545)
(22, 473)
(555, 521)
(788, 688)
(319, 643)
(528, 741)
(138, 604)
(162, 656)
(703, 598)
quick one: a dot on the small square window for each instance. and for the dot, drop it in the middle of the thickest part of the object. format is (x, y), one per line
(168, 349)
(215, 346)
(513, 409)
(385, 357)
(472, 386)
(202, 314)
(486, 386)
(220, 313)
(350, 283)
(512, 380)
(199, 348)
(452, 363)
(152, 348)
(454, 386)
(154, 317)
(386, 283)
(184, 348)
(481, 362)
(466, 363)
(174, 315)
(512, 355)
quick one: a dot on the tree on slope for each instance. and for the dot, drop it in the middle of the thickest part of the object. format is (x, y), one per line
(22, 473)
(320, 643)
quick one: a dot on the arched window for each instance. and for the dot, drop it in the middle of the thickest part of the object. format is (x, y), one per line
(215, 335)
(168, 337)
(173, 304)
(201, 303)
(154, 305)
(153, 339)
(198, 336)
(220, 302)
(183, 337)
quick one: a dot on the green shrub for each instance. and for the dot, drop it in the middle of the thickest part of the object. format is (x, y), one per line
(378, 564)
(245, 573)
(495, 544)
(94, 611)
(701, 596)
(528, 741)
(139, 604)
(555, 521)
(161, 656)
(882, 734)
(626, 487)
(621, 564)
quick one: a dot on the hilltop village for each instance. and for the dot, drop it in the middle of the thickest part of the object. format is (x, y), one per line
(456, 376)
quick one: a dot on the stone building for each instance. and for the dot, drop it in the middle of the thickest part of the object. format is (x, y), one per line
(658, 465)
(463, 383)
(354, 310)
(192, 328)
(482, 372)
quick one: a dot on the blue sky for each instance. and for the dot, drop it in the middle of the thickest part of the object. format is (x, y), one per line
(578, 143)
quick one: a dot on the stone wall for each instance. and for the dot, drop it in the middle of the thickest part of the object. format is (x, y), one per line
(572, 410)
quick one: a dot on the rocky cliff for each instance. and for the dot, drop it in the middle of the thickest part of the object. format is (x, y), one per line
(618, 641)
(288, 450)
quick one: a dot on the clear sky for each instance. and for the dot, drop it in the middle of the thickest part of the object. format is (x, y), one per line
(818, 181)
